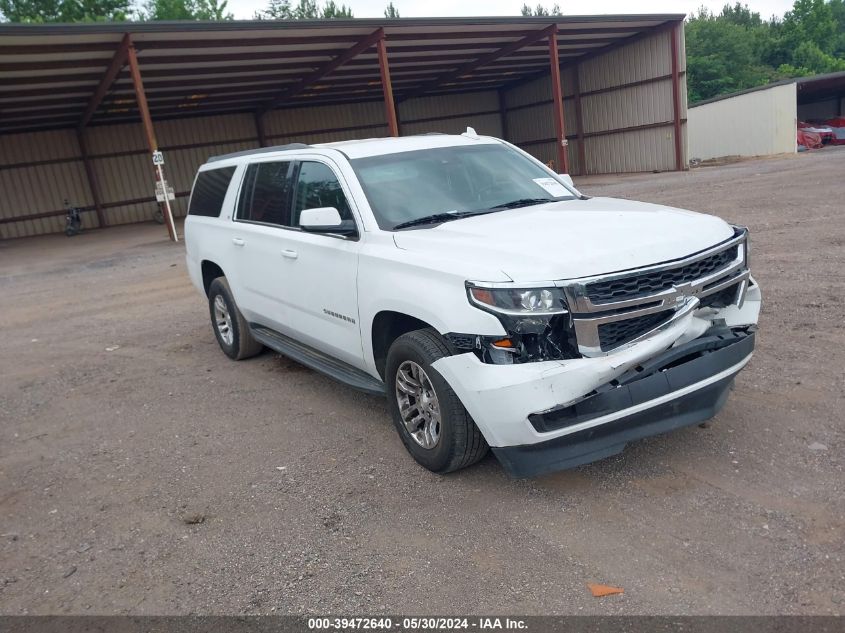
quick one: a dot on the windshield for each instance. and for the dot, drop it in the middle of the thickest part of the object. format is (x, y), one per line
(462, 180)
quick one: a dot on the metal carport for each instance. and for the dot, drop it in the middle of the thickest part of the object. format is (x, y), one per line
(83, 106)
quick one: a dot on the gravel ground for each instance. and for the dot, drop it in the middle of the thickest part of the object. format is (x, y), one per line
(143, 472)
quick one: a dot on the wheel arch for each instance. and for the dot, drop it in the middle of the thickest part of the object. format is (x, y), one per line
(210, 272)
(387, 326)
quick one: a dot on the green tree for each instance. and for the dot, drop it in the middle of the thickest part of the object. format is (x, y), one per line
(740, 15)
(303, 10)
(540, 10)
(41, 11)
(737, 49)
(334, 10)
(721, 56)
(391, 11)
(185, 10)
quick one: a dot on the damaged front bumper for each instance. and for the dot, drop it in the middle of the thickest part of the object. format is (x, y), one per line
(545, 416)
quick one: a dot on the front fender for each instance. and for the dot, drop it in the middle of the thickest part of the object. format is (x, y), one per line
(434, 296)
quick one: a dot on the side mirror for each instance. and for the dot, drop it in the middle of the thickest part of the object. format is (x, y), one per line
(567, 179)
(325, 220)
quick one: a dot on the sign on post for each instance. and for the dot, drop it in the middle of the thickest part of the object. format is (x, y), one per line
(158, 158)
(163, 189)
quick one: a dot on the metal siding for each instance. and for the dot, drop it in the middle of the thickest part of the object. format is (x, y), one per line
(40, 188)
(531, 92)
(448, 105)
(21, 148)
(644, 59)
(827, 109)
(290, 122)
(330, 137)
(531, 123)
(540, 89)
(631, 151)
(627, 106)
(452, 114)
(218, 128)
(486, 124)
(107, 139)
(758, 123)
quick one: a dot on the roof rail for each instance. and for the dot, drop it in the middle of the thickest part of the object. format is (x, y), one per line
(259, 150)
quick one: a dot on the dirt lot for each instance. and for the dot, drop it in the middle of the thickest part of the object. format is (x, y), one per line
(122, 424)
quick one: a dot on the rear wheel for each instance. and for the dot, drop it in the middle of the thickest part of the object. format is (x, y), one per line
(432, 422)
(230, 327)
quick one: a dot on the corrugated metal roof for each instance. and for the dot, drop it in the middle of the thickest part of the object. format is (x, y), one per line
(812, 88)
(49, 73)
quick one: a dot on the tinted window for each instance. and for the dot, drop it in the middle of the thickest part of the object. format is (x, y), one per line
(209, 191)
(265, 195)
(318, 187)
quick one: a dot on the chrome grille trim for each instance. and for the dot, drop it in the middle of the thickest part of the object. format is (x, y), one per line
(677, 301)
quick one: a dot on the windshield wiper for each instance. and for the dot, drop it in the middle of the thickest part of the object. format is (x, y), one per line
(522, 202)
(436, 218)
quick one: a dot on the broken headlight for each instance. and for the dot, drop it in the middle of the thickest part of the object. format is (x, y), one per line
(536, 320)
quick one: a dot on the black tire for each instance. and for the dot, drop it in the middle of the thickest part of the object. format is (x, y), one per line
(460, 442)
(242, 344)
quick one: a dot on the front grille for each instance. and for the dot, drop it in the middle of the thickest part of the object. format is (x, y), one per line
(618, 333)
(721, 299)
(649, 283)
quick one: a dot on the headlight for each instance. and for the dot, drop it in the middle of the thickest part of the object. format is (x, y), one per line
(519, 301)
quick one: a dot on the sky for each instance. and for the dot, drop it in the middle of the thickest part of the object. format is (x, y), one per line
(244, 9)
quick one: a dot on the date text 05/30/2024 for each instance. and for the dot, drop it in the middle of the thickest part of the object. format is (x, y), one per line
(417, 624)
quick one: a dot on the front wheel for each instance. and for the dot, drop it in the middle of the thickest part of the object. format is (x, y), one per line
(433, 424)
(230, 327)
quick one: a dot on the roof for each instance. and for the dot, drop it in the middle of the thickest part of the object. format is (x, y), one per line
(49, 73)
(810, 89)
(364, 148)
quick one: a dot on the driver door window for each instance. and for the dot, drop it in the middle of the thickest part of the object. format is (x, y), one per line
(317, 186)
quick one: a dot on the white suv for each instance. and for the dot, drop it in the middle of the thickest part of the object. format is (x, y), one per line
(491, 302)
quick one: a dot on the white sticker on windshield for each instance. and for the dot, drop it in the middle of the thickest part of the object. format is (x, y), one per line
(553, 187)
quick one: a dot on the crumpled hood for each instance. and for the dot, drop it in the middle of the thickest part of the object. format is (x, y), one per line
(570, 238)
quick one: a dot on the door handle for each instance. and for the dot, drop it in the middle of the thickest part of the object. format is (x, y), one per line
(290, 254)
(237, 241)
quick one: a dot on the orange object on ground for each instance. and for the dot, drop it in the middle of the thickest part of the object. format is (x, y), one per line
(600, 591)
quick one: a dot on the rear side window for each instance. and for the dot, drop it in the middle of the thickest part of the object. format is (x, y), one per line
(209, 191)
(265, 196)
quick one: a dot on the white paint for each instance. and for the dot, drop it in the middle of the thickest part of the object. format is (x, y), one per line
(330, 295)
(759, 123)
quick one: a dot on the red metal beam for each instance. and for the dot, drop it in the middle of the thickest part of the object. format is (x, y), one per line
(259, 129)
(387, 87)
(467, 69)
(92, 177)
(149, 130)
(503, 113)
(557, 104)
(674, 36)
(579, 121)
(325, 69)
(118, 61)
(141, 100)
